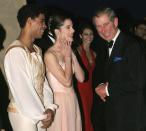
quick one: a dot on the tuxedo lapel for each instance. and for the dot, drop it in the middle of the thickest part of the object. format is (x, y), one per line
(116, 55)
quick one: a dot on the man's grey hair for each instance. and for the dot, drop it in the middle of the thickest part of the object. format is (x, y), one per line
(105, 10)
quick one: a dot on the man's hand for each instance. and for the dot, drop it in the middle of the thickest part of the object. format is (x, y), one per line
(101, 91)
(50, 117)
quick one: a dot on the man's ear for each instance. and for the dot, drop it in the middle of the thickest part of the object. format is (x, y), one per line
(116, 21)
(80, 36)
(29, 20)
(56, 32)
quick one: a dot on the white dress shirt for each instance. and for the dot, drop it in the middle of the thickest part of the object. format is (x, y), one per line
(51, 37)
(110, 51)
(114, 39)
(31, 94)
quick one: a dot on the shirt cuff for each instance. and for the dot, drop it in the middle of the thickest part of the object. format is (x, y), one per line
(106, 90)
(53, 107)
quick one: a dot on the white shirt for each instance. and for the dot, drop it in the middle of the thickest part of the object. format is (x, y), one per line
(51, 37)
(114, 39)
(110, 51)
(21, 73)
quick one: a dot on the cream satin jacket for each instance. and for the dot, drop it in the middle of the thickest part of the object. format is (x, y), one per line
(30, 91)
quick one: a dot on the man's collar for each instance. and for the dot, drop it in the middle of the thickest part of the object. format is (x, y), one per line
(114, 39)
(117, 34)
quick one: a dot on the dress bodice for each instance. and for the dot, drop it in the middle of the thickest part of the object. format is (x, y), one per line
(55, 84)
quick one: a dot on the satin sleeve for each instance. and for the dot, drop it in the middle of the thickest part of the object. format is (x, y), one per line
(18, 73)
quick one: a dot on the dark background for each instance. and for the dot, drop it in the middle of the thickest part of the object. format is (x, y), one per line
(85, 8)
(127, 10)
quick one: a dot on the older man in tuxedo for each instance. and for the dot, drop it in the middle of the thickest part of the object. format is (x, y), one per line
(125, 76)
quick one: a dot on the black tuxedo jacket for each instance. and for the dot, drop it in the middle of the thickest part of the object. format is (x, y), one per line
(126, 73)
(44, 43)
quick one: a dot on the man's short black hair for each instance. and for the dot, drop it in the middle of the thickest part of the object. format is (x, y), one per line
(27, 11)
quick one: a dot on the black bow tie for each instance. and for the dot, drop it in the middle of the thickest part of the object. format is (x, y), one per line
(110, 44)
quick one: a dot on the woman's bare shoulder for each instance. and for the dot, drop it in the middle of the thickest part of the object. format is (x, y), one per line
(50, 54)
